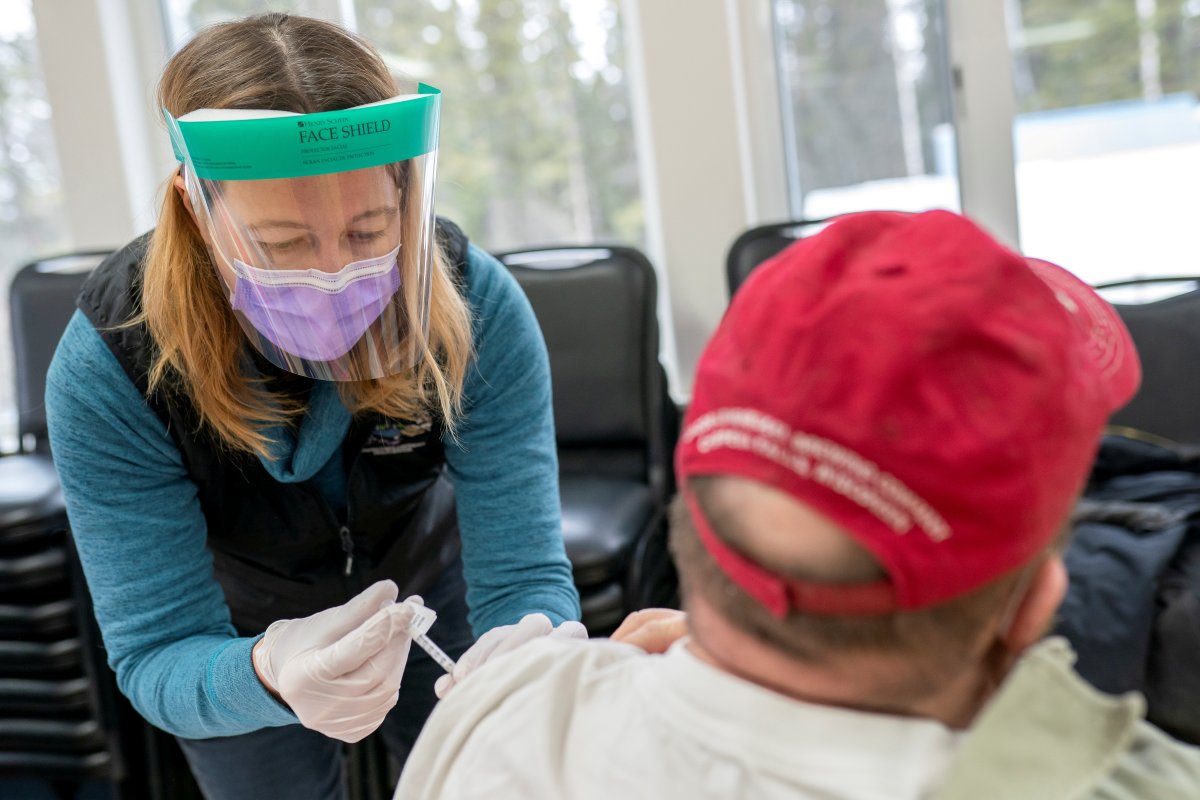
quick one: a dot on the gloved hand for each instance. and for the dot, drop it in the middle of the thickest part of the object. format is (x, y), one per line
(339, 670)
(505, 639)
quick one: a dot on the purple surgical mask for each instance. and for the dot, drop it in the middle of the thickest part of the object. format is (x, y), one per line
(318, 316)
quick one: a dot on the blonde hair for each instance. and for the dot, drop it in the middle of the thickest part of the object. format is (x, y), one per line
(284, 63)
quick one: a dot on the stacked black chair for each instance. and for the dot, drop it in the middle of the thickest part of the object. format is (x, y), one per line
(760, 244)
(615, 422)
(58, 710)
(49, 720)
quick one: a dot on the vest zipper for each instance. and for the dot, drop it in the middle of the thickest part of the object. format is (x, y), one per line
(347, 543)
(348, 546)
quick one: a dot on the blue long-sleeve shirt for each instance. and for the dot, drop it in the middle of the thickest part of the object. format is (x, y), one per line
(141, 534)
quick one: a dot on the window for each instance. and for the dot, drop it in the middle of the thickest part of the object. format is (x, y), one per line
(537, 143)
(1107, 139)
(868, 120)
(31, 213)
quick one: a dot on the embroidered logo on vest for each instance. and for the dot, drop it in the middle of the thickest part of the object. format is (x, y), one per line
(395, 437)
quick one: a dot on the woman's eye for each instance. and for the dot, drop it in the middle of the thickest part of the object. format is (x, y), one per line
(363, 237)
(284, 246)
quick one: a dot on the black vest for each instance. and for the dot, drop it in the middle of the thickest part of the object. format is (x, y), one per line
(279, 551)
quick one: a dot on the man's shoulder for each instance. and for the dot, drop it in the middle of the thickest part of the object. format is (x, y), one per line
(542, 679)
(545, 664)
(496, 733)
(1070, 740)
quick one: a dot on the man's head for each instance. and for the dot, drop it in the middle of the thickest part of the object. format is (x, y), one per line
(887, 434)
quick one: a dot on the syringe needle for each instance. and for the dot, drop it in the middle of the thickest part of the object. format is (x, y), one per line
(436, 653)
(422, 619)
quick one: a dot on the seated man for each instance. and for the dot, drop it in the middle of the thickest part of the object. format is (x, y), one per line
(887, 436)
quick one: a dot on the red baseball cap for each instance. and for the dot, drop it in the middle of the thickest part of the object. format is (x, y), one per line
(936, 394)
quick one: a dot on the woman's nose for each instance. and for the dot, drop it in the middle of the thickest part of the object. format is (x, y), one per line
(330, 257)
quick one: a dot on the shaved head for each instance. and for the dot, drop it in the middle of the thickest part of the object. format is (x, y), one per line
(772, 528)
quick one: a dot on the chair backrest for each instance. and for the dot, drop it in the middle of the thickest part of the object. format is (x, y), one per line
(597, 307)
(1167, 335)
(759, 244)
(41, 301)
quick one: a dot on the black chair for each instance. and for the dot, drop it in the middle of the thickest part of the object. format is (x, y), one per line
(760, 244)
(615, 422)
(1167, 335)
(41, 301)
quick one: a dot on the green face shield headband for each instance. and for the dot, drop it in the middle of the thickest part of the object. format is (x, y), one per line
(321, 227)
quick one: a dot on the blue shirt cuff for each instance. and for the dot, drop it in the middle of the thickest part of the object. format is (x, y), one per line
(233, 683)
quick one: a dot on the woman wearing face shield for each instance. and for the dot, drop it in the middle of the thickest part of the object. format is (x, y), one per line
(296, 401)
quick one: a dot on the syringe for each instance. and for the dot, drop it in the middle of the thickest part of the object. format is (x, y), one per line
(423, 619)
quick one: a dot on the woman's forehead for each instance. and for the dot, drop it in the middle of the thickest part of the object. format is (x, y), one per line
(339, 196)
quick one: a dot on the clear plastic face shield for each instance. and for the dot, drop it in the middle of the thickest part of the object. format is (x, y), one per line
(321, 227)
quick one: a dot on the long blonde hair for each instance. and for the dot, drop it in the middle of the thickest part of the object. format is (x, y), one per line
(284, 63)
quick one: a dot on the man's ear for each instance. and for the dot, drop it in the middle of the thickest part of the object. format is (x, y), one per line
(1036, 608)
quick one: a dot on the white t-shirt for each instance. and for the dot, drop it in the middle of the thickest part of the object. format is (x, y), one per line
(574, 719)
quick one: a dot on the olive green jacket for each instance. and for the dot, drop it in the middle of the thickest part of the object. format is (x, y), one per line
(1048, 735)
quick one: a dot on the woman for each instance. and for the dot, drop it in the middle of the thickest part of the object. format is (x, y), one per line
(289, 402)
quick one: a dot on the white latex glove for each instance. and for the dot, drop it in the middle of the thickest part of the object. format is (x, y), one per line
(505, 639)
(339, 670)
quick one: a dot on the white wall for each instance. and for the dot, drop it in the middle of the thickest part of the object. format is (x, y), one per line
(707, 117)
(984, 108)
